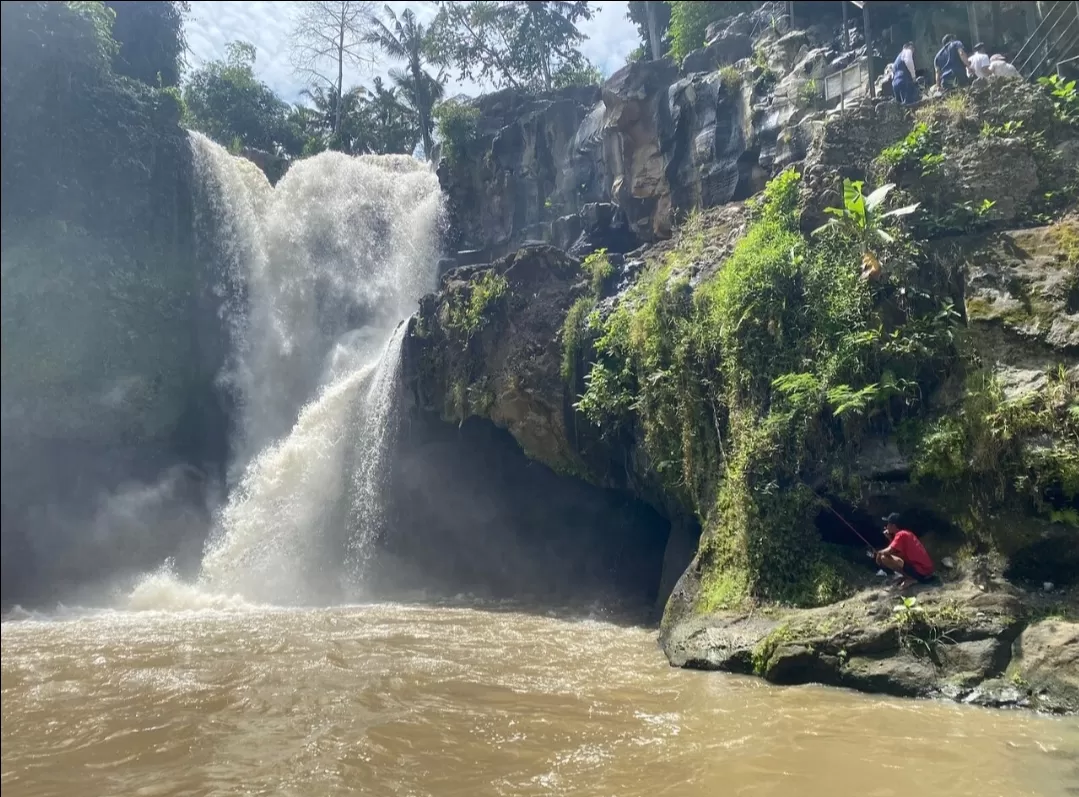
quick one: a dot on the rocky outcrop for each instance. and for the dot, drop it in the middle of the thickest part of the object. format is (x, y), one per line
(503, 361)
(532, 161)
(634, 102)
(1025, 284)
(962, 642)
(967, 443)
(656, 141)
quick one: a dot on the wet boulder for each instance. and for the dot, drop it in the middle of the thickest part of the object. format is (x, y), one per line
(488, 345)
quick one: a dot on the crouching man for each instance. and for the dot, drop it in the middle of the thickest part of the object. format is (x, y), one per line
(905, 555)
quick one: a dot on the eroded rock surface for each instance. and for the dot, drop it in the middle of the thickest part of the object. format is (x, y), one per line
(957, 642)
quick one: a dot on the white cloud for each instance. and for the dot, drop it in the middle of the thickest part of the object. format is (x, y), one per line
(214, 23)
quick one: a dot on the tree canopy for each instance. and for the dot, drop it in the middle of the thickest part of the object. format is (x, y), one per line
(328, 36)
(75, 124)
(521, 44)
(405, 39)
(151, 40)
(227, 102)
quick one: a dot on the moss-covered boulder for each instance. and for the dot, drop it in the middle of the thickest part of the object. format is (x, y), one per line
(1026, 283)
(960, 642)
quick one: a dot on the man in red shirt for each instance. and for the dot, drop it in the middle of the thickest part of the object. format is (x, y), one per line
(905, 554)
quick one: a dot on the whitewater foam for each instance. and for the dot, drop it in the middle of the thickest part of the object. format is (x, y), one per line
(315, 277)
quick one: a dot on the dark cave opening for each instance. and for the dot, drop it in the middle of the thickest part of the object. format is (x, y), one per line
(1052, 559)
(470, 514)
(838, 520)
(840, 523)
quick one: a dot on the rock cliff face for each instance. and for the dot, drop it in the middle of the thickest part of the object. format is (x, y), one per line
(626, 370)
(108, 327)
(655, 143)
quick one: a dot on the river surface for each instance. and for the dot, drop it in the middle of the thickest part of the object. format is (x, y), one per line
(394, 699)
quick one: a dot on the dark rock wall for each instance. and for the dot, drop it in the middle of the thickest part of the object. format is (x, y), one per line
(471, 514)
(109, 329)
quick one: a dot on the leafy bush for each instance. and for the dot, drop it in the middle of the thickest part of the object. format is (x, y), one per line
(768, 369)
(690, 20)
(457, 125)
(1065, 97)
(469, 308)
(920, 149)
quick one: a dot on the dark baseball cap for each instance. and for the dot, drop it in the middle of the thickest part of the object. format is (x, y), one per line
(892, 518)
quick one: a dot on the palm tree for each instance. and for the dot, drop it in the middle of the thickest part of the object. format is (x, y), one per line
(345, 117)
(405, 39)
(430, 91)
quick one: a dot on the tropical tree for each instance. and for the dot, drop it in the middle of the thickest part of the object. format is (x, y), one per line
(863, 219)
(394, 126)
(406, 39)
(372, 120)
(547, 37)
(521, 44)
(328, 36)
(151, 39)
(227, 102)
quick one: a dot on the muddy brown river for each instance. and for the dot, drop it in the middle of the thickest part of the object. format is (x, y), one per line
(396, 699)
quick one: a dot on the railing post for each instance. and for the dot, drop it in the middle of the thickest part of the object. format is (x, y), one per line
(846, 34)
(868, 49)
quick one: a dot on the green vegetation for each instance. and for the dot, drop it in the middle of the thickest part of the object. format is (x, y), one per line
(520, 45)
(810, 92)
(572, 330)
(987, 451)
(730, 77)
(919, 150)
(771, 366)
(598, 266)
(76, 128)
(927, 631)
(227, 102)
(457, 123)
(862, 219)
(690, 20)
(767, 647)
(405, 39)
(469, 309)
(1065, 97)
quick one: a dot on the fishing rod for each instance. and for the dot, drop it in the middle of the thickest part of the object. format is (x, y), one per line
(848, 525)
(842, 519)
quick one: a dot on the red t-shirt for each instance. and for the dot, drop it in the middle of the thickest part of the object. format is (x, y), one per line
(911, 551)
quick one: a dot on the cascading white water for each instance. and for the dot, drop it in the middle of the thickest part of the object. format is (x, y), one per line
(325, 265)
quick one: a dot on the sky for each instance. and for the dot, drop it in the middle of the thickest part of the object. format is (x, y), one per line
(213, 23)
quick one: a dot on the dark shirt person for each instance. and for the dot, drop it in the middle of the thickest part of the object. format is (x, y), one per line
(951, 63)
(904, 76)
(905, 555)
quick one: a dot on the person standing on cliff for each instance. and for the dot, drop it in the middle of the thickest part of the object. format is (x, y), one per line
(905, 555)
(951, 63)
(978, 62)
(904, 77)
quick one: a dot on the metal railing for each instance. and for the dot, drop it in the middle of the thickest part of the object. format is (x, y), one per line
(1055, 39)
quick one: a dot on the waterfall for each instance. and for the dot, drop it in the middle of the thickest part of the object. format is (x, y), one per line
(317, 275)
